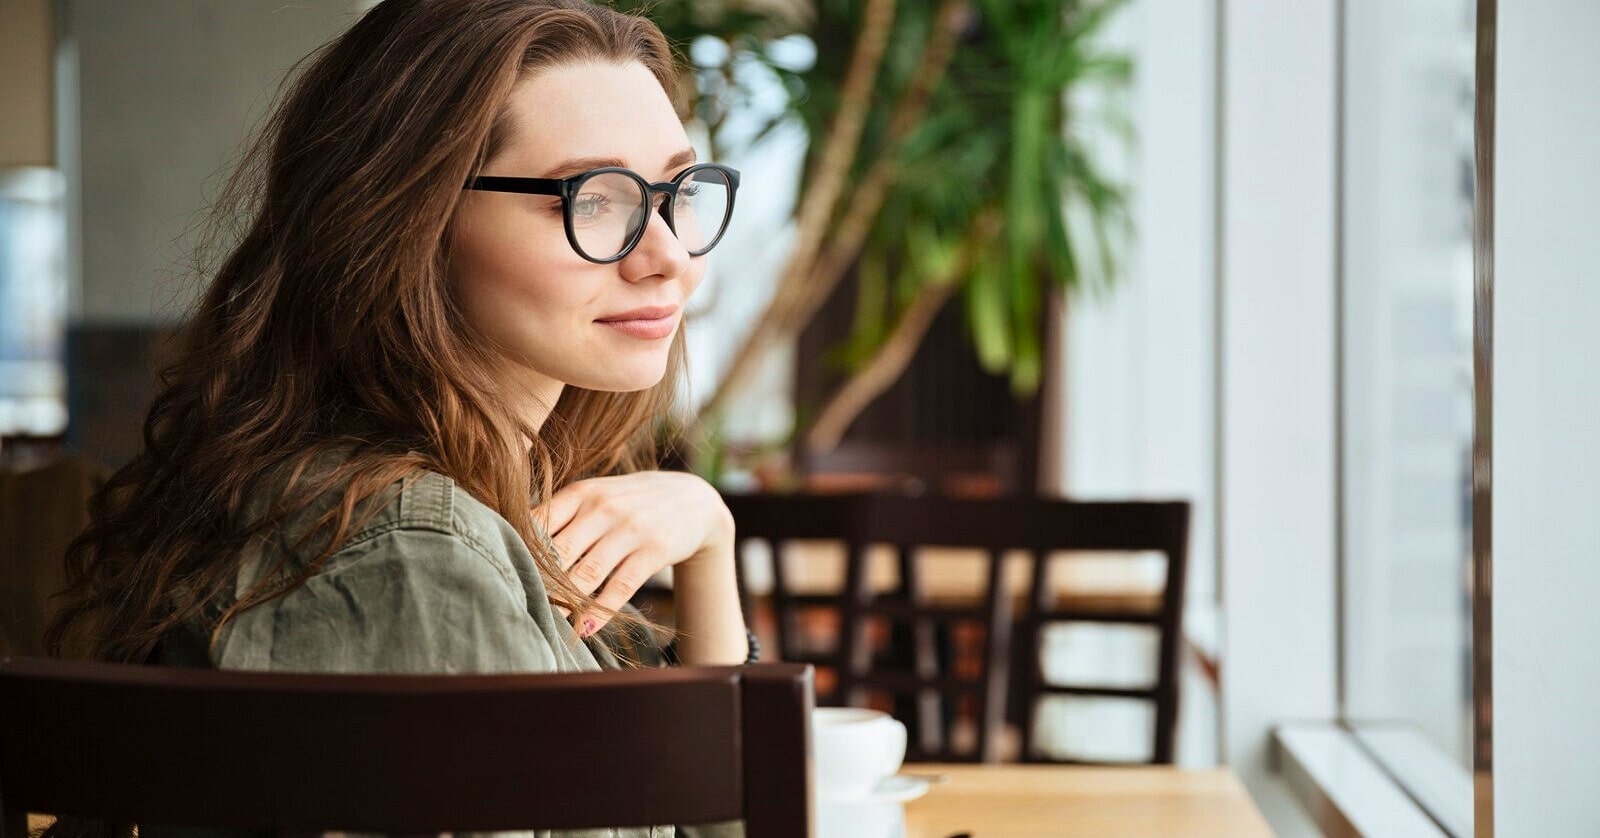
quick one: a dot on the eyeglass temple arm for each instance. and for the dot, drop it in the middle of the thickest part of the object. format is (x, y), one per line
(522, 185)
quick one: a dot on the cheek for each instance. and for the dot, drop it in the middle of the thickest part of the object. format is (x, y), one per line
(512, 267)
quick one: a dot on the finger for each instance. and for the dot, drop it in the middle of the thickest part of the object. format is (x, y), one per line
(591, 570)
(581, 534)
(559, 510)
(626, 580)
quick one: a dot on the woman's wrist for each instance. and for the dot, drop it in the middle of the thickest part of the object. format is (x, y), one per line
(711, 627)
(718, 548)
(669, 652)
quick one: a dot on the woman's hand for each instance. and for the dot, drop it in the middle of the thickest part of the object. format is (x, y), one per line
(621, 530)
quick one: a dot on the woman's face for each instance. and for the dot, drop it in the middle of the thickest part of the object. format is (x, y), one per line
(519, 280)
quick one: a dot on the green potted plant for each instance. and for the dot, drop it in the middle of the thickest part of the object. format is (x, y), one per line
(942, 165)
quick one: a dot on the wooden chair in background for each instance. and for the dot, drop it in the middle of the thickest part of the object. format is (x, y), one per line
(1127, 527)
(932, 684)
(411, 754)
(778, 520)
(918, 679)
(42, 508)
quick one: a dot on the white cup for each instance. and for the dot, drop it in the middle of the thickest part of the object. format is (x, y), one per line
(864, 818)
(853, 749)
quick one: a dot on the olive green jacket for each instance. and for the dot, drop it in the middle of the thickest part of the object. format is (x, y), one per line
(434, 582)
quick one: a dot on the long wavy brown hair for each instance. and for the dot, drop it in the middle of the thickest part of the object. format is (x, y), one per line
(329, 325)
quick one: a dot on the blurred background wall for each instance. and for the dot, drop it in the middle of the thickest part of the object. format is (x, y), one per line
(165, 93)
(27, 137)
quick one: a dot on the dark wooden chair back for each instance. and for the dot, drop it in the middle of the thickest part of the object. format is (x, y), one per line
(1037, 526)
(777, 520)
(1127, 527)
(921, 678)
(42, 508)
(391, 753)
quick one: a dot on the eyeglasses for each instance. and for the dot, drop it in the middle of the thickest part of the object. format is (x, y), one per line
(605, 210)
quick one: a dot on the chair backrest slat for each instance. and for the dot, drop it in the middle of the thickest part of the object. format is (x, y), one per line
(390, 753)
(780, 787)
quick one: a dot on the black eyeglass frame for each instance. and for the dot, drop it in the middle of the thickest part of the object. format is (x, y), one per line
(568, 188)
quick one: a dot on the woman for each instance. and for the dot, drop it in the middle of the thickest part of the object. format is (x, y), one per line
(409, 427)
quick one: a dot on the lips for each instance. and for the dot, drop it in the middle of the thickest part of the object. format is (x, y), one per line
(644, 323)
(648, 313)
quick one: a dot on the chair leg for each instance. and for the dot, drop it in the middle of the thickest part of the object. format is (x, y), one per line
(783, 612)
(854, 652)
(1026, 683)
(997, 660)
(929, 710)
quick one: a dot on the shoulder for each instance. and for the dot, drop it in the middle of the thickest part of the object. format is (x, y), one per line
(414, 505)
(426, 506)
(425, 528)
(430, 580)
(413, 597)
(429, 502)
(405, 601)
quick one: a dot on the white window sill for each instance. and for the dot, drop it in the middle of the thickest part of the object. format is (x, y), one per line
(1348, 793)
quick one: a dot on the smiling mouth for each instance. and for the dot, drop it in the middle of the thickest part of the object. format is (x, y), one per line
(655, 329)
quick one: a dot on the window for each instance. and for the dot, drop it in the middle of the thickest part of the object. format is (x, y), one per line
(1406, 381)
(33, 303)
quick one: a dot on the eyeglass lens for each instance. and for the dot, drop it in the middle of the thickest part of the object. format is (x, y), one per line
(610, 208)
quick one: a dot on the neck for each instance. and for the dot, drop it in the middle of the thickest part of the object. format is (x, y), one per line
(534, 394)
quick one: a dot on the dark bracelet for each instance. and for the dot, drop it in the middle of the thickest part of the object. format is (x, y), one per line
(670, 651)
(755, 646)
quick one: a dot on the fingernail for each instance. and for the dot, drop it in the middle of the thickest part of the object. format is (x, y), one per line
(588, 628)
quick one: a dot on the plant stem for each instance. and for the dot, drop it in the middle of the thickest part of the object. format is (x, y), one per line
(892, 358)
(820, 197)
(812, 273)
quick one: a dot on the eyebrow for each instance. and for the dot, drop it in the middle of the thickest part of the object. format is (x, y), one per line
(575, 165)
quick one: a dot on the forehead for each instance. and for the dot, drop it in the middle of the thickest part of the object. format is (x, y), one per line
(591, 109)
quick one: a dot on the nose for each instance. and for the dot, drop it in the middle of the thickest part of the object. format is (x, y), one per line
(659, 251)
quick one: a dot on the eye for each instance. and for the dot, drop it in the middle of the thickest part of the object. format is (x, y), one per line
(687, 191)
(589, 205)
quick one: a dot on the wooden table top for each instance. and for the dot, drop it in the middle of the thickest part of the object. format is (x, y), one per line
(1016, 801)
(1023, 801)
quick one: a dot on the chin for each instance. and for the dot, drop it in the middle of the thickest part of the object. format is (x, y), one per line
(618, 380)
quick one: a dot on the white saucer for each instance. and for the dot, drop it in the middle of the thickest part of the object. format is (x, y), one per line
(898, 788)
(895, 788)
